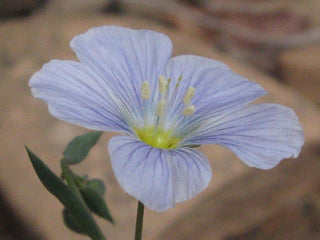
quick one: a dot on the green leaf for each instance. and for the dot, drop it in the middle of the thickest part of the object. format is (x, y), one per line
(71, 222)
(96, 203)
(80, 146)
(97, 185)
(68, 197)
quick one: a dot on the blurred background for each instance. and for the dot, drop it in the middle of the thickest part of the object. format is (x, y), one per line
(273, 42)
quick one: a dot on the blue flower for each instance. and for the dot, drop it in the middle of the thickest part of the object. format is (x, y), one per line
(127, 82)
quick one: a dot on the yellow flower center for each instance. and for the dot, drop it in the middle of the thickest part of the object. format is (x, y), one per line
(153, 132)
(158, 138)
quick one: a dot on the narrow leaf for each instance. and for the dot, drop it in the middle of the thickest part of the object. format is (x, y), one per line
(96, 203)
(97, 185)
(80, 146)
(67, 197)
(71, 222)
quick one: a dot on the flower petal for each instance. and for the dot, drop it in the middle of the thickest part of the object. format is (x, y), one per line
(76, 94)
(218, 89)
(157, 177)
(261, 135)
(125, 58)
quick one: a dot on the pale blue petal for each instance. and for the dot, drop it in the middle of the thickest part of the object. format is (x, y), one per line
(124, 58)
(218, 89)
(76, 94)
(157, 177)
(261, 135)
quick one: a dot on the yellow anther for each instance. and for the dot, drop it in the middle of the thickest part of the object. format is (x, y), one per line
(160, 107)
(162, 85)
(169, 81)
(188, 96)
(145, 90)
(188, 111)
(179, 80)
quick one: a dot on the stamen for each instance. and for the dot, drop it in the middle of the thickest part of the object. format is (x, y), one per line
(188, 111)
(161, 106)
(162, 85)
(188, 96)
(173, 94)
(179, 80)
(145, 90)
(169, 81)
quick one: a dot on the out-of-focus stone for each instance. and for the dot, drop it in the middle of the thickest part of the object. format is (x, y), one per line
(25, 120)
(300, 68)
(279, 204)
(14, 8)
(78, 6)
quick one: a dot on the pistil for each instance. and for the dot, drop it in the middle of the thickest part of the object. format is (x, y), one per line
(153, 131)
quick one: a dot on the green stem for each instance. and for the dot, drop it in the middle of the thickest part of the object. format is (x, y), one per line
(139, 221)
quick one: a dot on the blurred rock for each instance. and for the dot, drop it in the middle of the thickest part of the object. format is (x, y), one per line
(251, 31)
(11, 221)
(279, 204)
(256, 31)
(16, 8)
(73, 6)
(300, 68)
